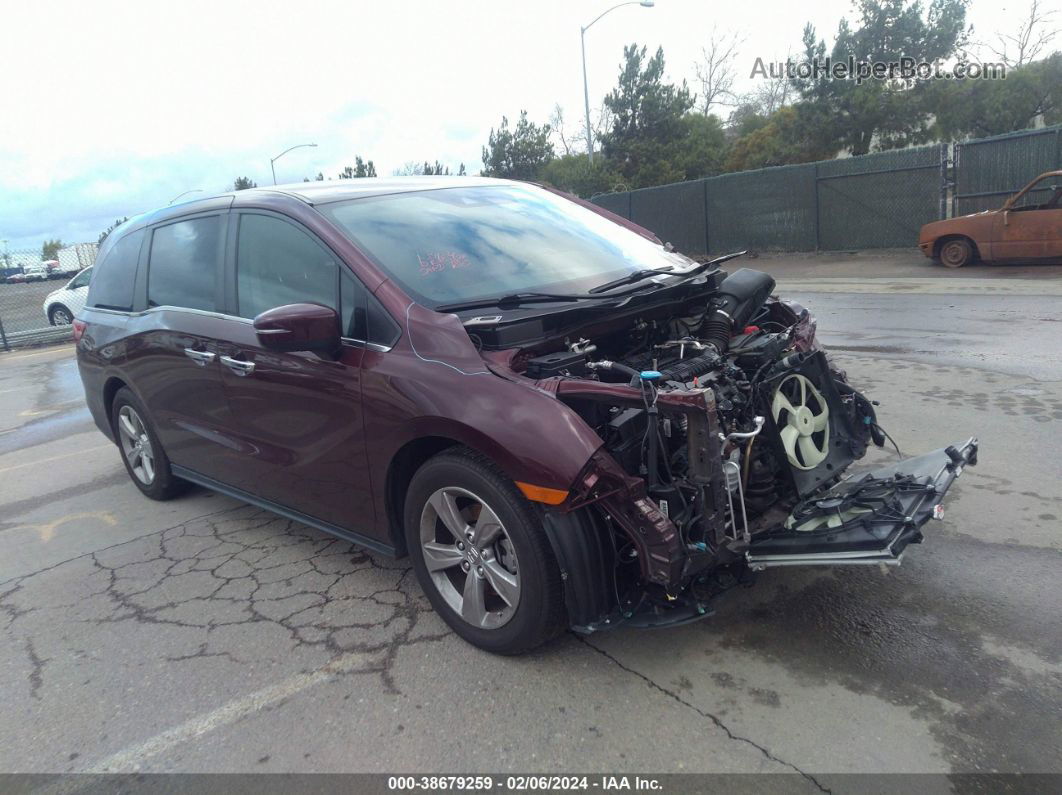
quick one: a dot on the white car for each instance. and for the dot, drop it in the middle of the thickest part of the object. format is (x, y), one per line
(63, 304)
(37, 272)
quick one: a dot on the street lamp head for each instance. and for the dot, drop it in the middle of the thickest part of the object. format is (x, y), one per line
(647, 3)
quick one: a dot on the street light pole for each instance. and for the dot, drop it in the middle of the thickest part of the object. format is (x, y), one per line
(275, 159)
(586, 88)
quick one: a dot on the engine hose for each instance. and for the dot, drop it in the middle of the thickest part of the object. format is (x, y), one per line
(716, 330)
(616, 367)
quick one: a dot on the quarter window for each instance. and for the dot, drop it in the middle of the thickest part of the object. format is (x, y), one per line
(183, 264)
(277, 264)
(115, 273)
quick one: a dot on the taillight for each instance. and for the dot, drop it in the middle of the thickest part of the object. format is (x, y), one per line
(79, 329)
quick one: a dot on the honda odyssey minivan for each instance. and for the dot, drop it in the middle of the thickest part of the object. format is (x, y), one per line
(561, 420)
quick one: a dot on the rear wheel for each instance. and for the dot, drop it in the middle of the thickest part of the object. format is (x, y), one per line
(481, 556)
(956, 252)
(60, 316)
(143, 456)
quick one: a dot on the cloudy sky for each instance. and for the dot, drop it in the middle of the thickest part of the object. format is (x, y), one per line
(110, 109)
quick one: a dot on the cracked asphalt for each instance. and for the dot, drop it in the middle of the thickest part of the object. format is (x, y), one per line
(205, 635)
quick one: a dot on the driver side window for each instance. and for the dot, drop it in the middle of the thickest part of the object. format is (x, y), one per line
(1043, 196)
(81, 280)
(277, 264)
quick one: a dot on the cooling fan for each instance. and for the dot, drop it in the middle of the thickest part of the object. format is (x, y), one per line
(802, 416)
(840, 511)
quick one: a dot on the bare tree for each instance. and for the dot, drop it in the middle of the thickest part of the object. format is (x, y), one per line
(556, 124)
(716, 70)
(771, 94)
(774, 93)
(1032, 37)
(411, 168)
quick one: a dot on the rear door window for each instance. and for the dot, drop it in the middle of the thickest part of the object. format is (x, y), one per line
(115, 274)
(183, 266)
(277, 264)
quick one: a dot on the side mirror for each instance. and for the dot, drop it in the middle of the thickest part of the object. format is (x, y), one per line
(299, 327)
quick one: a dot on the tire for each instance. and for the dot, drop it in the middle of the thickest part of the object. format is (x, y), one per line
(956, 252)
(59, 315)
(499, 587)
(141, 451)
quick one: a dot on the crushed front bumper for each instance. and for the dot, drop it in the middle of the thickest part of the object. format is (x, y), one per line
(878, 536)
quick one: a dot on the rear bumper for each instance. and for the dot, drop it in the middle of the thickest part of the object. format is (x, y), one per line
(882, 535)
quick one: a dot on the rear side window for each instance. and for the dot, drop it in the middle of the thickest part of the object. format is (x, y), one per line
(113, 276)
(183, 265)
(277, 264)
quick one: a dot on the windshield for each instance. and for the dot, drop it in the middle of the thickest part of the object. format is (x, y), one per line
(458, 244)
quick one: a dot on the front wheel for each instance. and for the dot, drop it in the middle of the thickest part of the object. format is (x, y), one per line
(481, 555)
(956, 252)
(61, 316)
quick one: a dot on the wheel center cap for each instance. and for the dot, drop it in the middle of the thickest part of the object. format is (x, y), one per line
(473, 554)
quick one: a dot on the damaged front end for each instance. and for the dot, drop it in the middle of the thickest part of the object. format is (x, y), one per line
(726, 437)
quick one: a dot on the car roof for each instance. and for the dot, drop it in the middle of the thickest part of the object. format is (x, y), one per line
(312, 193)
(323, 192)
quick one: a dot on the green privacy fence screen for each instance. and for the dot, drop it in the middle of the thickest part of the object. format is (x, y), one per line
(879, 200)
(989, 170)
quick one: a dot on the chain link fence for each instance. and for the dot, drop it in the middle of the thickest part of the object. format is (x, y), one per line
(988, 170)
(874, 201)
(39, 297)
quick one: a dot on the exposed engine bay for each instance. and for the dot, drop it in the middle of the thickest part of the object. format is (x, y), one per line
(727, 433)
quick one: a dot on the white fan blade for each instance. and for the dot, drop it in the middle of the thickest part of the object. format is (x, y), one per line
(812, 455)
(818, 422)
(781, 402)
(789, 436)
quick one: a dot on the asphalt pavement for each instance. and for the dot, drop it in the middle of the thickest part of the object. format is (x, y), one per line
(206, 635)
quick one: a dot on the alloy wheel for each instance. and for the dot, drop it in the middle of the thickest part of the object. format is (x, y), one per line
(61, 317)
(470, 557)
(136, 445)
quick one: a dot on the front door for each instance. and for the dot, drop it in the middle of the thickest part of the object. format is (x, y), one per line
(1030, 226)
(298, 415)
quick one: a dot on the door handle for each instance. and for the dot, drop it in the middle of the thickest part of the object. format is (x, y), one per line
(202, 358)
(238, 366)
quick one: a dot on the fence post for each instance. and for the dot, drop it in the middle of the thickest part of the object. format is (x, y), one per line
(707, 226)
(943, 181)
(956, 156)
(3, 336)
(815, 190)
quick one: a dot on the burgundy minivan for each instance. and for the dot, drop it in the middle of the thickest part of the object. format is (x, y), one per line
(562, 421)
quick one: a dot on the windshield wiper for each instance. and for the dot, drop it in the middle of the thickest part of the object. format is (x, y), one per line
(711, 264)
(510, 300)
(517, 299)
(631, 278)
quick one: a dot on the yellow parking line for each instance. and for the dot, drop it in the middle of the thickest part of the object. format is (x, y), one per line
(57, 457)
